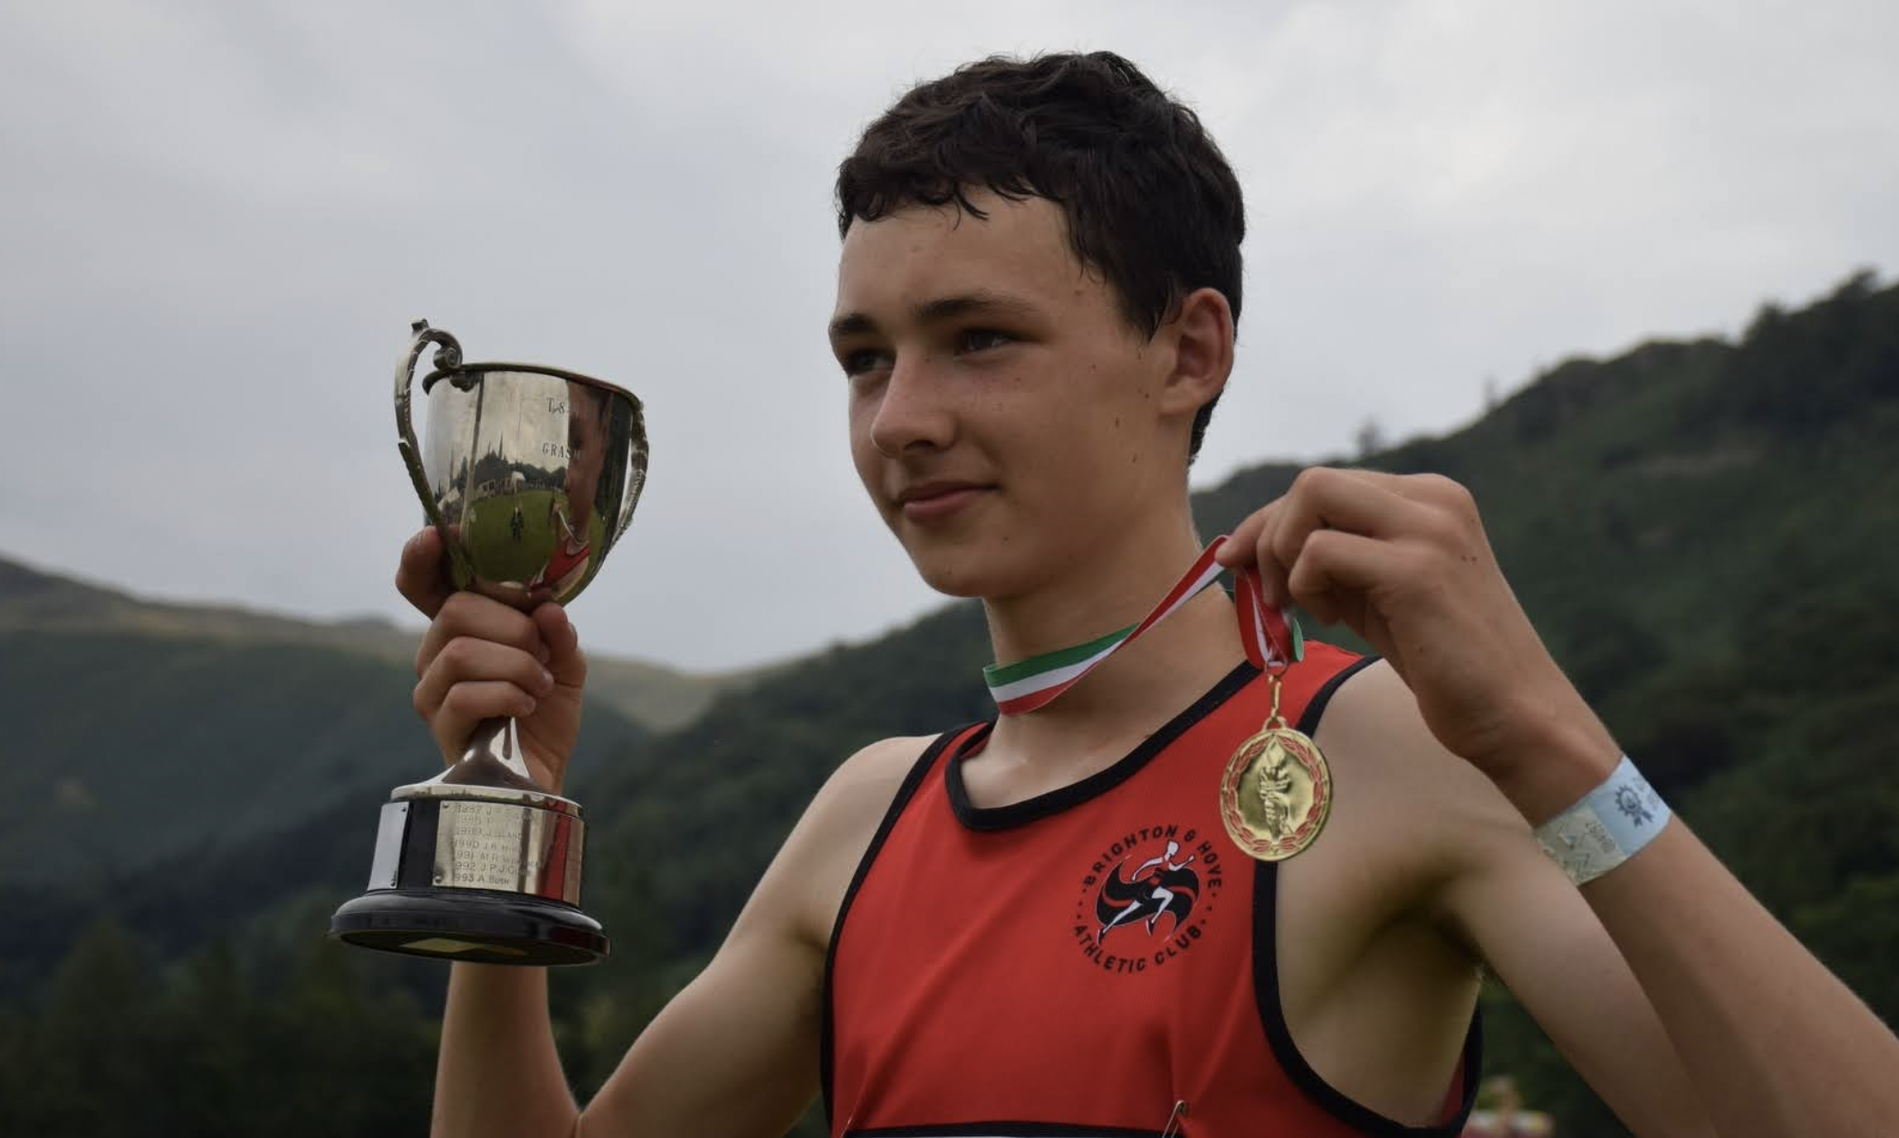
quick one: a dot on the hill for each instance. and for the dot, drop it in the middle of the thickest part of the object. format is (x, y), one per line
(1703, 532)
(652, 695)
(141, 731)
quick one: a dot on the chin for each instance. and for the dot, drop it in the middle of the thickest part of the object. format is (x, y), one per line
(972, 569)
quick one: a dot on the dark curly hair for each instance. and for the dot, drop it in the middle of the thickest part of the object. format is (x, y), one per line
(1149, 200)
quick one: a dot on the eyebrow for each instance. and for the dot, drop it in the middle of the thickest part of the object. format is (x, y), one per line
(982, 302)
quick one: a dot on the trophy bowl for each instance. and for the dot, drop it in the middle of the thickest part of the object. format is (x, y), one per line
(531, 475)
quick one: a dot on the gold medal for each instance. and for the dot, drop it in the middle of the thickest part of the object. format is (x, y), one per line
(1276, 793)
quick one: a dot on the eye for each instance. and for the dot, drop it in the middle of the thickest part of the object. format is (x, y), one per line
(981, 339)
(863, 360)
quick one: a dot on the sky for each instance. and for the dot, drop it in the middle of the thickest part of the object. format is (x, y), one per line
(217, 220)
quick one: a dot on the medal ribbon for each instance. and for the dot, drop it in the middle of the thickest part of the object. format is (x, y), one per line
(1271, 636)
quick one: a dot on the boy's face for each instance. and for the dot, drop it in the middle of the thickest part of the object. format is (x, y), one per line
(1004, 416)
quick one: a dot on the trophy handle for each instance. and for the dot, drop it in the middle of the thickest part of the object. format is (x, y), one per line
(448, 356)
(636, 469)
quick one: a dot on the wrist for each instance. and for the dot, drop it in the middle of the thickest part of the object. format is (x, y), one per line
(1555, 765)
(1610, 825)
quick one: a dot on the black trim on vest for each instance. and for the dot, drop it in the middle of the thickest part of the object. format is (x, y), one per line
(1005, 1130)
(905, 792)
(1095, 785)
(1266, 989)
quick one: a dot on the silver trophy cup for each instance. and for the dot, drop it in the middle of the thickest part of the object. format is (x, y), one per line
(530, 474)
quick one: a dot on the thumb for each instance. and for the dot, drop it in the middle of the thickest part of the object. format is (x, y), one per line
(565, 658)
(1241, 547)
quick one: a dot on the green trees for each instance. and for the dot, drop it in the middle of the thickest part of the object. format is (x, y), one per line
(116, 1049)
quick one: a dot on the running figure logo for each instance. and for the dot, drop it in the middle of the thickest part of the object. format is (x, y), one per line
(1157, 887)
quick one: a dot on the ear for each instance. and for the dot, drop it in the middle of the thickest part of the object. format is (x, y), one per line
(1201, 335)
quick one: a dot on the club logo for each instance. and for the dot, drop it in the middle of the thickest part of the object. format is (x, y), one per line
(1158, 887)
(1146, 899)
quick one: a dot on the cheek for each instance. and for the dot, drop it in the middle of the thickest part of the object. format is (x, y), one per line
(1098, 459)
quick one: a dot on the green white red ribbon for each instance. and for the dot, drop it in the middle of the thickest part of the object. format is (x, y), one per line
(1271, 636)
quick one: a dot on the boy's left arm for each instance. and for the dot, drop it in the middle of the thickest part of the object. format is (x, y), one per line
(1668, 943)
(1510, 906)
(1772, 1042)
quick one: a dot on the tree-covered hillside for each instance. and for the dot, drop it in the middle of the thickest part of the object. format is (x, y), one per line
(123, 750)
(1704, 532)
(35, 601)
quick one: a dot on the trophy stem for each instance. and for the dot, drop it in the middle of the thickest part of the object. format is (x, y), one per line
(493, 758)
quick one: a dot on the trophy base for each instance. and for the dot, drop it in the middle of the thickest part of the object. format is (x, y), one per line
(480, 928)
(477, 872)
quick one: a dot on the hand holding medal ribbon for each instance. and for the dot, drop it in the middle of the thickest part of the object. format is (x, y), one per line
(1403, 561)
(1276, 792)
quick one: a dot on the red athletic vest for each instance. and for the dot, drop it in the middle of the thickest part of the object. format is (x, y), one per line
(1080, 962)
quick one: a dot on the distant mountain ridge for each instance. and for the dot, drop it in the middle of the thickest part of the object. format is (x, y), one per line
(652, 695)
(143, 731)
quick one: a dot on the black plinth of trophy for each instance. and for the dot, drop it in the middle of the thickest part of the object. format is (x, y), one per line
(470, 925)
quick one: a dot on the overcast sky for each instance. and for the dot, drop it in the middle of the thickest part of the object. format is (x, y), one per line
(218, 219)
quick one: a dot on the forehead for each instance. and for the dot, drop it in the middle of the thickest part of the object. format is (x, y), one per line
(921, 253)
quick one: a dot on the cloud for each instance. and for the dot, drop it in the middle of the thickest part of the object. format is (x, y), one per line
(219, 219)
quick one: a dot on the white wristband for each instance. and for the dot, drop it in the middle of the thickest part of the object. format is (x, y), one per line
(1608, 827)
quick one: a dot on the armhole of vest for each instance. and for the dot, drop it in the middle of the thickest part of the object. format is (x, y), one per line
(905, 792)
(1335, 1102)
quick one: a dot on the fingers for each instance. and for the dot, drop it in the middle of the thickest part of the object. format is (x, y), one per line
(422, 573)
(1361, 502)
(1357, 501)
(470, 680)
(474, 617)
(1335, 570)
(454, 722)
(479, 659)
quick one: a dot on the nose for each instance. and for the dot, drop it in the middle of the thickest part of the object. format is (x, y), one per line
(913, 410)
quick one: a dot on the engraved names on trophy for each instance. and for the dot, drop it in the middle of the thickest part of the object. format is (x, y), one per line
(516, 849)
(479, 845)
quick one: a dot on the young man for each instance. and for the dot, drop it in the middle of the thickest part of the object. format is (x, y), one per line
(1042, 926)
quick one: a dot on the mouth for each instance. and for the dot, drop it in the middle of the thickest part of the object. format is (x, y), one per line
(933, 501)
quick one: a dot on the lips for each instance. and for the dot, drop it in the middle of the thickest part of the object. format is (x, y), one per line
(935, 500)
(924, 491)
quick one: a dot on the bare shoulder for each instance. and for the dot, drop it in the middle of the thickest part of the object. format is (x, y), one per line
(822, 853)
(859, 792)
(1405, 795)
(876, 769)
(1374, 718)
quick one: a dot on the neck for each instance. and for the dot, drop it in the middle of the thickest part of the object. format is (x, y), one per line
(1143, 685)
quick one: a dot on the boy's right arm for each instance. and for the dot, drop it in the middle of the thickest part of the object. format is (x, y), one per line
(736, 1052)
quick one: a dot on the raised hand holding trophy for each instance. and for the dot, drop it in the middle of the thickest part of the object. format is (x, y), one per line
(531, 475)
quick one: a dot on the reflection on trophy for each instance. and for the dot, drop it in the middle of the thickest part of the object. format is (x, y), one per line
(531, 475)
